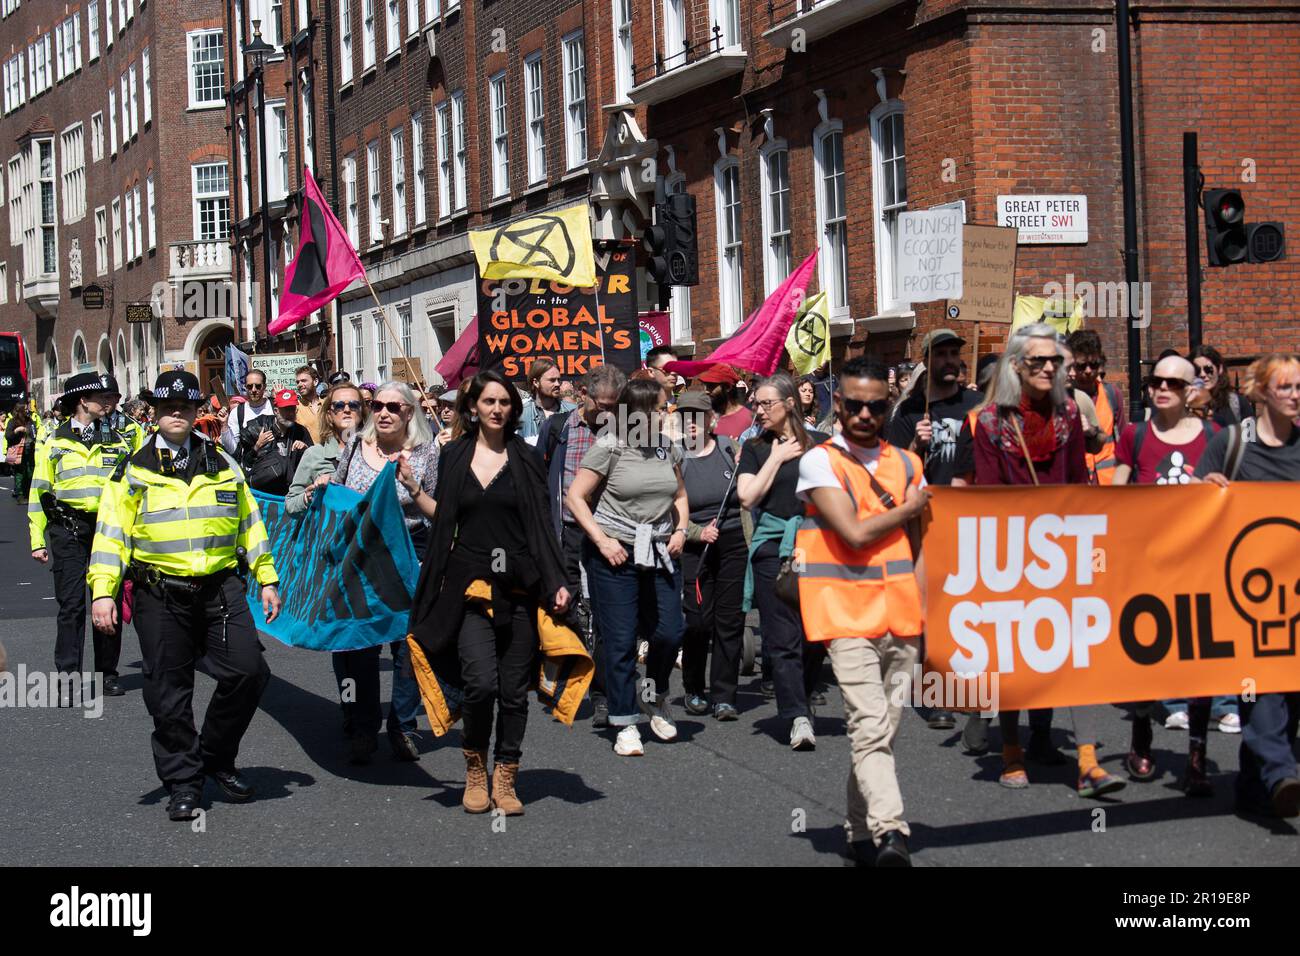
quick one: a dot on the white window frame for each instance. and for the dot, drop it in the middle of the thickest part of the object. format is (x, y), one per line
(731, 275)
(199, 198)
(420, 194)
(392, 28)
(108, 24)
(535, 117)
(405, 327)
(374, 199)
(460, 150)
(442, 130)
(887, 301)
(101, 240)
(116, 221)
(430, 10)
(575, 108)
(674, 14)
(245, 169)
(73, 179)
(112, 119)
(368, 27)
(305, 114)
(4, 283)
(128, 215)
(219, 64)
(152, 198)
(92, 29)
(350, 194)
(412, 18)
(40, 225)
(345, 42)
(397, 179)
(726, 15)
(125, 93)
(832, 270)
(146, 70)
(137, 212)
(499, 121)
(380, 326)
(775, 271)
(277, 139)
(621, 24)
(135, 101)
(359, 346)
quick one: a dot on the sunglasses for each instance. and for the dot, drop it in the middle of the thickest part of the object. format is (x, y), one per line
(1039, 362)
(1173, 384)
(353, 406)
(1205, 370)
(1093, 365)
(876, 406)
(394, 408)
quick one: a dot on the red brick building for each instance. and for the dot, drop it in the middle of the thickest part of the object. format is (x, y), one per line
(811, 124)
(101, 139)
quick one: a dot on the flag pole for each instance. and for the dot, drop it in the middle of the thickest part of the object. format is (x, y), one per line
(396, 338)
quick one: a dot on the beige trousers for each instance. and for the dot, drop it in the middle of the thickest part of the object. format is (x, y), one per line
(873, 705)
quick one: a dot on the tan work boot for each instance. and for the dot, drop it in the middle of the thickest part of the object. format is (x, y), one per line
(476, 782)
(504, 797)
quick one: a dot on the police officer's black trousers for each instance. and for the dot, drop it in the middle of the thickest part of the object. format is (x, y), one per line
(70, 555)
(211, 629)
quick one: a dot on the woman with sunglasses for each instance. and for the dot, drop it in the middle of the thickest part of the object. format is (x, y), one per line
(767, 483)
(396, 431)
(1030, 433)
(1227, 407)
(1268, 782)
(1164, 451)
(344, 414)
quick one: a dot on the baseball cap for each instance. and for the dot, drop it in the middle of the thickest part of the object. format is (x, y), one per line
(719, 375)
(694, 401)
(286, 398)
(939, 337)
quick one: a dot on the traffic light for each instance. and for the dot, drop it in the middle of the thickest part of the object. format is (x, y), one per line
(674, 257)
(1225, 226)
(1230, 239)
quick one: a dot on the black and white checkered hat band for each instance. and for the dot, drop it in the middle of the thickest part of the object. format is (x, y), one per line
(183, 393)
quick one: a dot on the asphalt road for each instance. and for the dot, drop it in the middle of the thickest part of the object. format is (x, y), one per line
(82, 792)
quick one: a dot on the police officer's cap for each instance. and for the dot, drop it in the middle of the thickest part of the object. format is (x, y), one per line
(90, 383)
(174, 386)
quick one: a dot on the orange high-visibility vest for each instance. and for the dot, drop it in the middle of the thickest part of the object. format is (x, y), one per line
(1103, 463)
(867, 592)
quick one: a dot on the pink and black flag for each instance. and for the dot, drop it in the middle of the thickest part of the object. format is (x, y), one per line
(325, 265)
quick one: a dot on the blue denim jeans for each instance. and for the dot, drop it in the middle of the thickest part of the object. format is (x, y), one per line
(1267, 736)
(620, 597)
(1220, 707)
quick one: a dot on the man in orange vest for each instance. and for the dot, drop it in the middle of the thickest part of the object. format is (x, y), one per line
(860, 591)
(1089, 366)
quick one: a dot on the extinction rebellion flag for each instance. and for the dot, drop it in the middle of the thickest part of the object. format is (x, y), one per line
(325, 265)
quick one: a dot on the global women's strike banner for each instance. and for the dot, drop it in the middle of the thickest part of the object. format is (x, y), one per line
(521, 320)
(347, 568)
(1084, 595)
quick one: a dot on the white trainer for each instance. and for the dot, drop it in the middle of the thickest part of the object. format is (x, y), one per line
(661, 718)
(1230, 724)
(628, 743)
(801, 735)
(1177, 720)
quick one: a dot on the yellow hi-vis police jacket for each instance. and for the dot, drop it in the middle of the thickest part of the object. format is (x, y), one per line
(74, 472)
(181, 529)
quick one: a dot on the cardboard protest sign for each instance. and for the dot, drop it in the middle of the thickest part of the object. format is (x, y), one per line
(520, 320)
(1075, 595)
(988, 277)
(929, 255)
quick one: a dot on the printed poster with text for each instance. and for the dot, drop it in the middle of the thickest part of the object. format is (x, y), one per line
(521, 320)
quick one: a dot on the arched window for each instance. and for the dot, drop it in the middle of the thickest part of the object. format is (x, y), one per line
(774, 175)
(80, 360)
(52, 384)
(889, 191)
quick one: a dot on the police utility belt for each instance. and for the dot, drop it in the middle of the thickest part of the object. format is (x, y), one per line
(77, 522)
(150, 576)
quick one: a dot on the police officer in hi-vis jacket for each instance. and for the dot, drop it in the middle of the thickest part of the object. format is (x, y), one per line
(179, 519)
(72, 467)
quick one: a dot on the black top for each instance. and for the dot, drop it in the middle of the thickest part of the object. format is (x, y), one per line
(946, 417)
(488, 518)
(1259, 462)
(707, 478)
(780, 499)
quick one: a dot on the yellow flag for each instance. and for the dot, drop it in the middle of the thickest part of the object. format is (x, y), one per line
(1057, 313)
(552, 245)
(809, 339)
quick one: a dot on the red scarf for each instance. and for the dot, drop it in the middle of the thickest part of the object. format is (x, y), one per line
(1038, 427)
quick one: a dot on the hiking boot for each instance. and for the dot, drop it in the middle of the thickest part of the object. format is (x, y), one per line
(504, 797)
(476, 782)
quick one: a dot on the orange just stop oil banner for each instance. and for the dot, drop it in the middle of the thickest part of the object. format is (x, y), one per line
(1082, 595)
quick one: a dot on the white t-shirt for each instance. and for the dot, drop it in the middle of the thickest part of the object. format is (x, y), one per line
(237, 420)
(815, 466)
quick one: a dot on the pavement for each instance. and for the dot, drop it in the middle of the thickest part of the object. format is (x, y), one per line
(81, 791)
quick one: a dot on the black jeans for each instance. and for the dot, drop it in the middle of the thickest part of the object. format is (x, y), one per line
(717, 623)
(70, 555)
(496, 664)
(213, 630)
(571, 538)
(796, 663)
